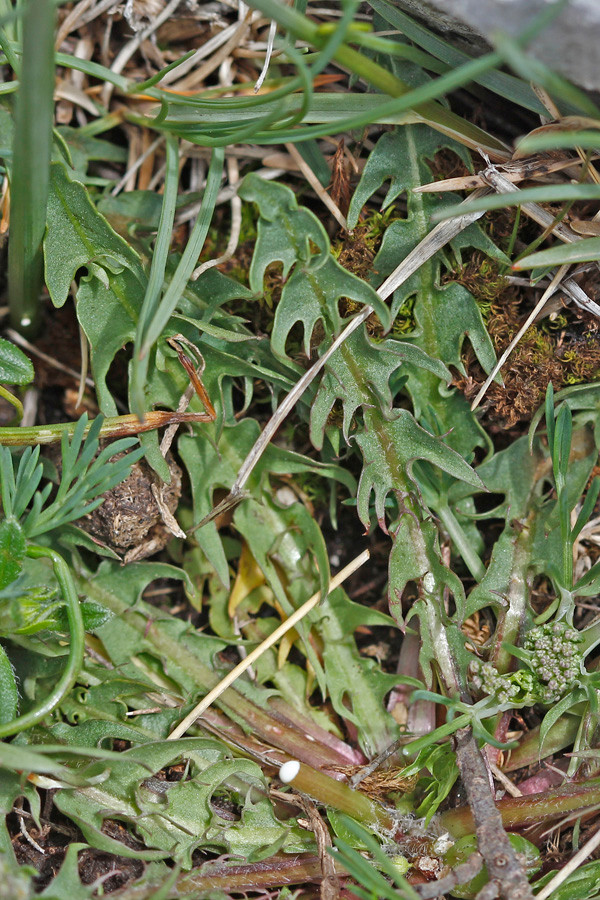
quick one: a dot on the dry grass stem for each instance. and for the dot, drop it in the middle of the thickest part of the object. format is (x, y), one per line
(514, 171)
(573, 864)
(72, 21)
(268, 54)
(235, 35)
(136, 164)
(31, 348)
(547, 221)
(127, 51)
(506, 783)
(317, 186)
(241, 667)
(551, 289)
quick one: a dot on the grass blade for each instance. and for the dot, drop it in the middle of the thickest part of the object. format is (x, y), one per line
(190, 254)
(585, 250)
(30, 169)
(157, 273)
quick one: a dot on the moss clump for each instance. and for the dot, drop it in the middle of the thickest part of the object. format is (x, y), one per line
(482, 278)
(543, 355)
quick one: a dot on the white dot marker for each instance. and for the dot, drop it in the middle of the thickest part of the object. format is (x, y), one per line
(288, 771)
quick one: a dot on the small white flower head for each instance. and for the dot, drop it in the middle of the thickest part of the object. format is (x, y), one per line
(288, 771)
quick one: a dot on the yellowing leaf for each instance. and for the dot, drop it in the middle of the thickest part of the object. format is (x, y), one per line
(249, 576)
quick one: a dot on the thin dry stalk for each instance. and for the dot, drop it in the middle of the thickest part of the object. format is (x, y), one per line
(71, 22)
(514, 171)
(134, 44)
(317, 186)
(547, 221)
(551, 289)
(506, 783)
(135, 165)
(83, 348)
(31, 348)
(175, 76)
(282, 629)
(95, 12)
(573, 864)
(237, 35)
(503, 186)
(268, 54)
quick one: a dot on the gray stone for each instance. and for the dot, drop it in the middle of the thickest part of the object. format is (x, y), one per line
(569, 45)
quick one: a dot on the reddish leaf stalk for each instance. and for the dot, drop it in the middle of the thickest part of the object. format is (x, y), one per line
(532, 809)
(268, 725)
(272, 873)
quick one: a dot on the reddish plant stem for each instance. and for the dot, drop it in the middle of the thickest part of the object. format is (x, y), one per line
(532, 809)
(271, 873)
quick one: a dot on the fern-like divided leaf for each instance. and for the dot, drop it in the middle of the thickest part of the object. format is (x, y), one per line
(86, 476)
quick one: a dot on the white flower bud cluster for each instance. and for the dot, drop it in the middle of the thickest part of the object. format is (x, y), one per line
(553, 665)
(555, 658)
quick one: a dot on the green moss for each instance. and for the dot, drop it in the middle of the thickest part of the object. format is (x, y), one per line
(404, 323)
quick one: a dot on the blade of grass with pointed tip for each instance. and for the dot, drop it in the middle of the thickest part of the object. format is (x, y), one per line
(585, 250)
(537, 72)
(501, 83)
(157, 275)
(558, 140)
(30, 167)
(190, 254)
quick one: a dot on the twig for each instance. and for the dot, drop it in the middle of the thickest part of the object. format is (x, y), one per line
(493, 843)
(573, 864)
(241, 667)
(462, 874)
(368, 770)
